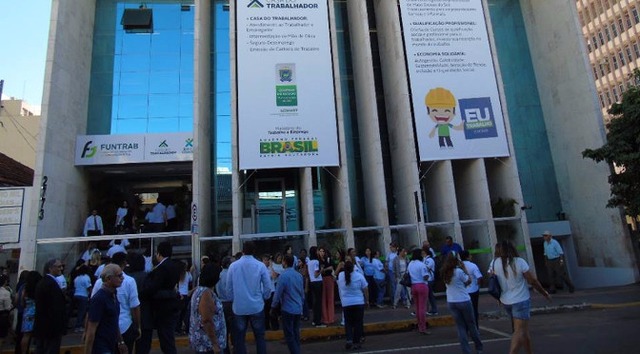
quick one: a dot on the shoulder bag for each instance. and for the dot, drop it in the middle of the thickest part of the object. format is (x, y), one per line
(494, 286)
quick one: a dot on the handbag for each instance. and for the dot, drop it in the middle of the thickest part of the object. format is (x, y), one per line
(406, 280)
(494, 286)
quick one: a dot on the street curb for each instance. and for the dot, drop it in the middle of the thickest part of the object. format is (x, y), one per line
(332, 332)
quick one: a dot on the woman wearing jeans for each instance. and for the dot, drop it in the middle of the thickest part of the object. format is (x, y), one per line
(419, 289)
(352, 287)
(456, 279)
(513, 275)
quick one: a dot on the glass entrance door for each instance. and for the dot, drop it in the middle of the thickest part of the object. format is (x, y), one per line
(270, 205)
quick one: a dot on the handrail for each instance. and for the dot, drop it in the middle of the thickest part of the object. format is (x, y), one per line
(43, 241)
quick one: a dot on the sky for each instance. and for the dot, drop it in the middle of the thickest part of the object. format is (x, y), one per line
(24, 31)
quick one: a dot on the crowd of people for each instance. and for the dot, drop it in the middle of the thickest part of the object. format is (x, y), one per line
(120, 299)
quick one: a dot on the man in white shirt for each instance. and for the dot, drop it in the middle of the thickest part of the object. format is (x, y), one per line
(157, 218)
(93, 225)
(116, 248)
(172, 221)
(249, 285)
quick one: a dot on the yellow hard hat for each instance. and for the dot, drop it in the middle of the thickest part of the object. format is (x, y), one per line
(439, 98)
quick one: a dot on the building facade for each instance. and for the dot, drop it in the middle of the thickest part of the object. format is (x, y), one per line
(610, 29)
(19, 129)
(343, 93)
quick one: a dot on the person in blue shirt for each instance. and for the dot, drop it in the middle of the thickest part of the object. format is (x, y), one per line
(554, 261)
(288, 298)
(249, 285)
(449, 246)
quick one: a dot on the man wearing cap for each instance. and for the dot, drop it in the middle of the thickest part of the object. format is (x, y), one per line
(554, 261)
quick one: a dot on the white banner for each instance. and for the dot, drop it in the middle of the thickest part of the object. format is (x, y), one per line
(456, 102)
(286, 103)
(11, 202)
(134, 148)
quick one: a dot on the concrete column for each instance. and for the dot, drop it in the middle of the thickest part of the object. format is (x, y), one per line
(306, 205)
(202, 123)
(236, 192)
(375, 194)
(64, 117)
(341, 196)
(574, 122)
(404, 157)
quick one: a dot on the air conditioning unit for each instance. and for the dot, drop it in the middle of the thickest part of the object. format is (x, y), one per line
(137, 20)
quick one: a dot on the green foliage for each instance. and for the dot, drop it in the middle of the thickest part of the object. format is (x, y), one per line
(623, 149)
(503, 208)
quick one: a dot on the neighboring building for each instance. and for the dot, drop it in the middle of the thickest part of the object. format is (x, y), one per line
(317, 117)
(610, 29)
(19, 129)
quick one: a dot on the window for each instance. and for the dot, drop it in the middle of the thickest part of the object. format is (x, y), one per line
(614, 30)
(616, 98)
(601, 37)
(602, 69)
(606, 32)
(614, 60)
(621, 56)
(628, 20)
(608, 98)
(636, 49)
(602, 104)
(634, 12)
(621, 88)
(595, 72)
(621, 24)
(629, 55)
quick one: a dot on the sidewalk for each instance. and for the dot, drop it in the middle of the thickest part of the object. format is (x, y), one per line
(400, 319)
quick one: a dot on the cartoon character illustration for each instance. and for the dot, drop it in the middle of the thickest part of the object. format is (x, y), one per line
(441, 108)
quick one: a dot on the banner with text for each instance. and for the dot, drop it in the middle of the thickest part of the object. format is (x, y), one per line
(456, 103)
(286, 101)
(134, 148)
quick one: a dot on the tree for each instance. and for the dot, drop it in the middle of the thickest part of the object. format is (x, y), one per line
(622, 150)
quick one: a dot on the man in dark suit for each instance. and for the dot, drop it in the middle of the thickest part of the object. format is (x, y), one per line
(160, 304)
(50, 322)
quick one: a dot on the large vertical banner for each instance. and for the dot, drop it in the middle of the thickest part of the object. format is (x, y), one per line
(286, 103)
(456, 102)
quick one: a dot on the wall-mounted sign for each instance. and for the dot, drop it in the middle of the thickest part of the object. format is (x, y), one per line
(456, 103)
(134, 148)
(286, 100)
(11, 201)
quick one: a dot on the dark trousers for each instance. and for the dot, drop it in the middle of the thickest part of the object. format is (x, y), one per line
(183, 318)
(227, 306)
(82, 302)
(291, 329)
(474, 301)
(557, 273)
(433, 306)
(270, 322)
(166, 335)
(316, 293)
(373, 289)
(48, 345)
(240, 324)
(129, 337)
(353, 323)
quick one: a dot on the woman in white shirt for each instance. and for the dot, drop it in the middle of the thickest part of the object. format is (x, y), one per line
(315, 285)
(352, 287)
(513, 275)
(419, 288)
(456, 278)
(121, 213)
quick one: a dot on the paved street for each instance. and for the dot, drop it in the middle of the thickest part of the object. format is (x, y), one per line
(606, 331)
(609, 330)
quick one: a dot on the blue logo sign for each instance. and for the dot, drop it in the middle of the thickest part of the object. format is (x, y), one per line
(479, 121)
